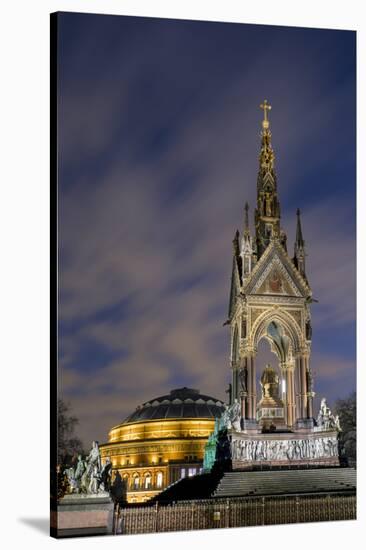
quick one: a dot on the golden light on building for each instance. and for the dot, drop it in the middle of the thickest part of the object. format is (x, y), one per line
(162, 441)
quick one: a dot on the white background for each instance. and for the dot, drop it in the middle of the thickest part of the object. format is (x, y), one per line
(24, 261)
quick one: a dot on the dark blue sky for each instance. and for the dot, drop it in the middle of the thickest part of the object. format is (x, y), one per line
(159, 125)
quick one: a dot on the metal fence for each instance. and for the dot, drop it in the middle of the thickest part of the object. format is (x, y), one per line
(238, 512)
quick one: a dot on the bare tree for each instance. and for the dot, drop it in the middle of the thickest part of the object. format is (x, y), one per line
(346, 409)
(68, 444)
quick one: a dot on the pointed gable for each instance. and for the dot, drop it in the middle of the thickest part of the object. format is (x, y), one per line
(234, 287)
(275, 274)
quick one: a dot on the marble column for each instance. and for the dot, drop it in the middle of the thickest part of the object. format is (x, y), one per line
(243, 406)
(253, 389)
(310, 412)
(302, 361)
(288, 375)
(234, 382)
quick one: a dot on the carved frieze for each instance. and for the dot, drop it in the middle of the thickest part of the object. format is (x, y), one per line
(284, 450)
(268, 300)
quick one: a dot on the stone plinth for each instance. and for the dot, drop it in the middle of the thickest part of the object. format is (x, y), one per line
(81, 515)
(287, 449)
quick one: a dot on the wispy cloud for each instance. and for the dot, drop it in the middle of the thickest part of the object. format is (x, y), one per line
(159, 138)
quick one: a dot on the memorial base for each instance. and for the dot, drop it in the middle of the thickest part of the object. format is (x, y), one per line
(286, 449)
(305, 423)
(82, 515)
(249, 425)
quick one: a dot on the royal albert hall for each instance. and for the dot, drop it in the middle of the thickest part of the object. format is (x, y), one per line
(162, 441)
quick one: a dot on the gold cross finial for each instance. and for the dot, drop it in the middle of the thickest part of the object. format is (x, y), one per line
(266, 107)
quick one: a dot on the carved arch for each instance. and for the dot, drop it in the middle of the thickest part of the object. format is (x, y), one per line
(283, 319)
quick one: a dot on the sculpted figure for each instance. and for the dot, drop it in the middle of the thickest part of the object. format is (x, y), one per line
(94, 480)
(79, 472)
(259, 451)
(326, 419)
(105, 475)
(325, 446)
(308, 331)
(70, 474)
(307, 448)
(250, 450)
(224, 421)
(337, 424)
(235, 449)
(88, 472)
(235, 415)
(319, 448)
(264, 450)
(290, 450)
(268, 205)
(273, 451)
(93, 459)
(244, 450)
(335, 446)
(243, 377)
(300, 449)
(282, 450)
(311, 449)
(309, 379)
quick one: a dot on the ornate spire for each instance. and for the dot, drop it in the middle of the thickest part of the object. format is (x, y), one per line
(299, 257)
(246, 251)
(236, 243)
(266, 157)
(267, 214)
(246, 219)
(299, 240)
(266, 107)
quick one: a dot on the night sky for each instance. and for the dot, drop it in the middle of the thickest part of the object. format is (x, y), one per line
(159, 136)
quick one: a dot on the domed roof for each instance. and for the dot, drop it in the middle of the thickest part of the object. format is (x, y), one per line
(180, 403)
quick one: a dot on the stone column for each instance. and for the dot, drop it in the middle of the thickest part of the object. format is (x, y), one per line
(234, 382)
(302, 361)
(310, 395)
(310, 412)
(243, 407)
(291, 400)
(288, 375)
(253, 389)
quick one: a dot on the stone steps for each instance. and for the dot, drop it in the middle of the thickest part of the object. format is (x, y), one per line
(286, 482)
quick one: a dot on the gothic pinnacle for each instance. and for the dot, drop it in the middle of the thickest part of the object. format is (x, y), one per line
(299, 239)
(236, 243)
(246, 219)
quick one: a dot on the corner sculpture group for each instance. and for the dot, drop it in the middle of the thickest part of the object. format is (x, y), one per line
(231, 418)
(89, 476)
(323, 444)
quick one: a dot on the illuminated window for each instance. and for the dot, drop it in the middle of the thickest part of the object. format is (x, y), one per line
(183, 473)
(159, 480)
(147, 481)
(192, 472)
(136, 482)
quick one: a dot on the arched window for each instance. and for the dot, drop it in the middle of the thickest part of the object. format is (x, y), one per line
(147, 482)
(159, 480)
(136, 481)
(125, 479)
